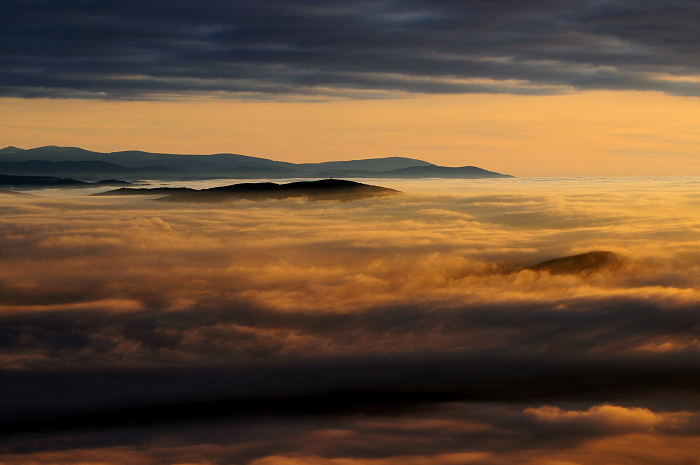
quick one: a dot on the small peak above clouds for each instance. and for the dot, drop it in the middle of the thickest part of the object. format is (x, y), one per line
(581, 263)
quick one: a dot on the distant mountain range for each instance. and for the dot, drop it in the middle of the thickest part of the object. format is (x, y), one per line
(85, 165)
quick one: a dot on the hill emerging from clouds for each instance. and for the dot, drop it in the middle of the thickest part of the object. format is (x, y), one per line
(581, 263)
(83, 164)
(324, 189)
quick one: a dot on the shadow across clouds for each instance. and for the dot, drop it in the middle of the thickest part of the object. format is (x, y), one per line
(42, 401)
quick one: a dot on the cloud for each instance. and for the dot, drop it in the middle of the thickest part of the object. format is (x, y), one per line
(383, 330)
(439, 459)
(452, 433)
(596, 419)
(91, 282)
(272, 49)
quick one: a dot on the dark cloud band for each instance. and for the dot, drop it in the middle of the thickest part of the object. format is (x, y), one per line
(277, 49)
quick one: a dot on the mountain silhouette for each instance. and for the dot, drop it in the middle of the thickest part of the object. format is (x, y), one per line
(85, 170)
(575, 264)
(324, 189)
(74, 162)
(10, 149)
(39, 182)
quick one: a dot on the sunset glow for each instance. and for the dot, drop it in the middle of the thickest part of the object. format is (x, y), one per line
(580, 134)
(417, 232)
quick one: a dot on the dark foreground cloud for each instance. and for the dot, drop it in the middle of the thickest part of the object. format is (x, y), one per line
(276, 49)
(444, 433)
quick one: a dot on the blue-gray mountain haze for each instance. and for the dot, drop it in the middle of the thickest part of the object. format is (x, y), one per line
(72, 162)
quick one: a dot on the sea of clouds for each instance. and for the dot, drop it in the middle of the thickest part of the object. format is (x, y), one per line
(395, 330)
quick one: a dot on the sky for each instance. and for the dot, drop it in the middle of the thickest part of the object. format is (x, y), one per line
(528, 88)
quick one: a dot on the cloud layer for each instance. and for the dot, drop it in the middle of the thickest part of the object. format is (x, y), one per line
(397, 330)
(277, 49)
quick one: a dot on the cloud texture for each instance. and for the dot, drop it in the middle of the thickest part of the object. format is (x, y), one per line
(276, 49)
(398, 330)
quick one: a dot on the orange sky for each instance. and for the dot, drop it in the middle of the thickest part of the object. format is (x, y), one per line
(596, 133)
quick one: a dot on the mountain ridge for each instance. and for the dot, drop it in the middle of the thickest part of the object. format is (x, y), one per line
(322, 189)
(40, 182)
(135, 164)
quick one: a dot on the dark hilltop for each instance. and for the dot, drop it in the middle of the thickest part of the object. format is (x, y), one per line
(582, 263)
(324, 189)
